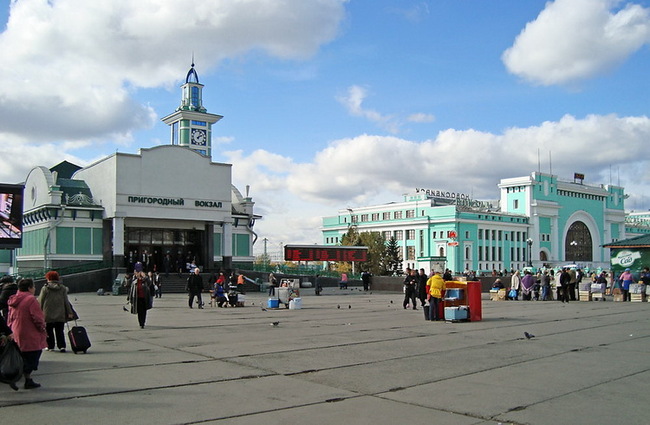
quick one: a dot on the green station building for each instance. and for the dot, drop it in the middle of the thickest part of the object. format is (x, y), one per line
(538, 220)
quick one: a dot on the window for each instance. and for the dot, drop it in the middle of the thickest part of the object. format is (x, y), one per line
(355, 218)
(410, 213)
(480, 234)
(375, 217)
(410, 234)
(386, 216)
(195, 97)
(399, 235)
(364, 217)
(410, 253)
(515, 204)
(499, 235)
(467, 235)
(387, 235)
(398, 215)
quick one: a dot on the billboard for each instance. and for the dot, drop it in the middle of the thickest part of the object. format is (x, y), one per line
(325, 253)
(11, 215)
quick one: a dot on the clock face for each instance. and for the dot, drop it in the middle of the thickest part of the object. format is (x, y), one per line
(199, 137)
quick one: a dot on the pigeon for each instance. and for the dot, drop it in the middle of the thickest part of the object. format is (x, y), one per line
(349, 306)
(391, 301)
(275, 323)
(528, 336)
(263, 309)
(124, 308)
(338, 306)
(75, 299)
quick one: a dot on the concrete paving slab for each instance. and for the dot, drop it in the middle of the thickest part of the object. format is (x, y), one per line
(372, 363)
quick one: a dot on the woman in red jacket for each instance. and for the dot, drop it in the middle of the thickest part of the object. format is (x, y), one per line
(27, 322)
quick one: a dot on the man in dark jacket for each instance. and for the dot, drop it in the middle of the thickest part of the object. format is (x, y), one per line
(9, 288)
(195, 287)
(565, 280)
(410, 283)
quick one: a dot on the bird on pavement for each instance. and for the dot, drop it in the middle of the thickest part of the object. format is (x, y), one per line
(263, 309)
(528, 336)
(275, 323)
(124, 308)
(338, 306)
(349, 306)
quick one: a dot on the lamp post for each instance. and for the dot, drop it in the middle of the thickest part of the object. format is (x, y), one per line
(529, 241)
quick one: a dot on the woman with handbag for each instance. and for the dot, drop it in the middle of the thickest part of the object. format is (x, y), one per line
(28, 325)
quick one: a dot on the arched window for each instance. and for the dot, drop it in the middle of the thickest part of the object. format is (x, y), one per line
(578, 244)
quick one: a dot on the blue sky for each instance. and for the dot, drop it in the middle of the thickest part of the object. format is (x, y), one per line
(330, 104)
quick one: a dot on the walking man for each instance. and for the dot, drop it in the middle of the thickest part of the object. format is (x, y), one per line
(195, 287)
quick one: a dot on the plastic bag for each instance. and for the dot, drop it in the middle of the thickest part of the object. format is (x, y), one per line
(11, 364)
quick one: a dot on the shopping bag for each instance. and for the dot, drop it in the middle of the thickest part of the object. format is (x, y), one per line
(512, 293)
(11, 364)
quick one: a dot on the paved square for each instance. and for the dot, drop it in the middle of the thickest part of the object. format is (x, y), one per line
(345, 357)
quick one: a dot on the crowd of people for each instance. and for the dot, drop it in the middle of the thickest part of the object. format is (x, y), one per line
(564, 283)
(34, 324)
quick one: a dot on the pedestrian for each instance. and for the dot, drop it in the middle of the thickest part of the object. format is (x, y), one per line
(343, 283)
(546, 286)
(410, 282)
(140, 294)
(422, 287)
(515, 286)
(195, 287)
(54, 302)
(273, 282)
(240, 283)
(365, 279)
(572, 284)
(527, 283)
(565, 280)
(9, 288)
(435, 285)
(157, 284)
(626, 279)
(27, 323)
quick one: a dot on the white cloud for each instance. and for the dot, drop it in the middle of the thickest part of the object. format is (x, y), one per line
(353, 102)
(572, 40)
(71, 66)
(368, 169)
(421, 118)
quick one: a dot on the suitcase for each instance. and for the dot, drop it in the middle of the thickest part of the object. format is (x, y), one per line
(79, 340)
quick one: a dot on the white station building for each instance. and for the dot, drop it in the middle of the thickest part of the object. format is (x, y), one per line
(165, 205)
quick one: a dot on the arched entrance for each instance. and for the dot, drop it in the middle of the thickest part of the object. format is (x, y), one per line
(578, 244)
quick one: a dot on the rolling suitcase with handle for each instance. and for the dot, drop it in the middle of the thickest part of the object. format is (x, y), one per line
(79, 340)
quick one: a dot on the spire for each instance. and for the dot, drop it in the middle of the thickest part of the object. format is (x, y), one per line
(192, 73)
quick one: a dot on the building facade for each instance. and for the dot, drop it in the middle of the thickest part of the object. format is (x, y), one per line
(164, 206)
(539, 220)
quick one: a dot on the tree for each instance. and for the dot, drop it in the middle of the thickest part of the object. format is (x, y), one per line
(394, 258)
(377, 254)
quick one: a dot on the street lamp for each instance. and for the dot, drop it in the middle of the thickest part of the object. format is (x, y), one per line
(529, 241)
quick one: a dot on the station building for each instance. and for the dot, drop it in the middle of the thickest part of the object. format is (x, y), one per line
(165, 205)
(538, 220)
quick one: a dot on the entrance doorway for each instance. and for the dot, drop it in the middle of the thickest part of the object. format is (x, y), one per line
(163, 250)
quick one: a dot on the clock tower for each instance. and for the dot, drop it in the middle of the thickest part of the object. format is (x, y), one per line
(191, 124)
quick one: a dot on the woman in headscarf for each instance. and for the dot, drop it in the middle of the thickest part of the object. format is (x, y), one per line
(141, 294)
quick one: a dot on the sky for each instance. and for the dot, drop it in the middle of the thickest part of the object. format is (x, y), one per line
(335, 104)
